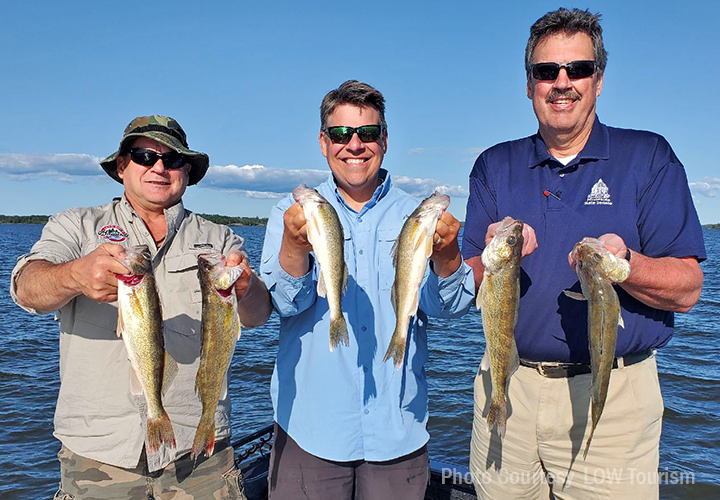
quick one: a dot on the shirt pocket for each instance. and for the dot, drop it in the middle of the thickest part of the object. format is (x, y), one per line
(181, 295)
(384, 258)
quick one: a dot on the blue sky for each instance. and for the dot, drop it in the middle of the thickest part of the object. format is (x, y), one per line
(245, 80)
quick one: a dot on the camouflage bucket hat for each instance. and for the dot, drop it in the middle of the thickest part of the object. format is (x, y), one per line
(166, 131)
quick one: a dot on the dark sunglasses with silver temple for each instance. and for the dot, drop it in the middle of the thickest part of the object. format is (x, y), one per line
(548, 71)
(343, 134)
(172, 160)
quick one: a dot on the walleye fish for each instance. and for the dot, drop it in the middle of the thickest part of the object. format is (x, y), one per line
(325, 234)
(499, 300)
(410, 253)
(597, 270)
(141, 326)
(220, 331)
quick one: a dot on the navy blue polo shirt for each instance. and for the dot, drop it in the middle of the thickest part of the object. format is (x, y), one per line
(626, 182)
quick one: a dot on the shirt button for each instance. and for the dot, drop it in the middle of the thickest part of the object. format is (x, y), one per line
(362, 252)
(364, 328)
(365, 369)
(366, 412)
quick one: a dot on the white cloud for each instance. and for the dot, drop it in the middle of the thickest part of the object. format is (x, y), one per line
(710, 187)
(64, 167)
(257, 181)
(417, 151)
(425, 187)
(253, 181)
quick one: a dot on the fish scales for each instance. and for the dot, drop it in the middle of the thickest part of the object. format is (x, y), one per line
(325, 234)
(220, 331)
(499, 301)
(411, 252)
(140, 326)
(598, 269)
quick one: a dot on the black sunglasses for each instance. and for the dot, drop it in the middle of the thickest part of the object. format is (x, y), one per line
(548, 71)
(172, 160)
(343, 134)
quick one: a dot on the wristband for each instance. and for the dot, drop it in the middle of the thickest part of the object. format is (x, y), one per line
(628, 255)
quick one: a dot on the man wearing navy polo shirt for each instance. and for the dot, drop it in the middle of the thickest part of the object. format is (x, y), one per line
(577, 177)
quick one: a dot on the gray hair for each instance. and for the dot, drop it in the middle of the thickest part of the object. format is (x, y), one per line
(568, 22)
(355, 93)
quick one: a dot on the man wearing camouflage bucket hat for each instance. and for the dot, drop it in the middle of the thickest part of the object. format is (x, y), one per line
(72, 270)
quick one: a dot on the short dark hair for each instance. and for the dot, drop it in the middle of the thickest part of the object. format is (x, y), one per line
(355, 93)
(568, 22)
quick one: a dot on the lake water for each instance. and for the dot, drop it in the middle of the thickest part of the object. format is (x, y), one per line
(689, 376)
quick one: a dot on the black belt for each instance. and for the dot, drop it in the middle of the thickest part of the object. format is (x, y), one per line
(567, 370)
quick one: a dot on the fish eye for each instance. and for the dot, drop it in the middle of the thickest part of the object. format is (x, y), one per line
(207, 266)
(511, 240)
(597, 257)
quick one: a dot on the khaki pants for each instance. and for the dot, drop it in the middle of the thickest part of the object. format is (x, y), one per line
(213, 478)
(548, 424)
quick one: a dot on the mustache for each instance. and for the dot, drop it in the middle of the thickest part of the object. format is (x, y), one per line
(565, 93)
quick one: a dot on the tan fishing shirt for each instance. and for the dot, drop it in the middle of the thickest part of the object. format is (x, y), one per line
(96, 415)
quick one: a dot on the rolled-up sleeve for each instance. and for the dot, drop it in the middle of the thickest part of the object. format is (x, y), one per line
(448, 297)
(290, 295)
(59, 243)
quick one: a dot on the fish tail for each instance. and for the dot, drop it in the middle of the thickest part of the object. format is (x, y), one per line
(204, 436)
(160, 431)
(396, 350)
(338, 332)
(497, 415)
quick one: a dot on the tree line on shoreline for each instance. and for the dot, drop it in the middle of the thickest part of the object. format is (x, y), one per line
(220, 219)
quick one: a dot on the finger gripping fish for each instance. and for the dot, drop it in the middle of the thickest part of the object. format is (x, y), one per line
(220, 330)
(499, 300)
(598, 269)
(140, 326)
(325, 234)
(410, 253)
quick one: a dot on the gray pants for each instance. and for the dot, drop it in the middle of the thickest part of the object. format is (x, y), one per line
(215, 477)
(296, 475)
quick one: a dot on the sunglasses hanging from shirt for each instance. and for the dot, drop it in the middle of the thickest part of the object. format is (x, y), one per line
(548, 71)
(147, 158)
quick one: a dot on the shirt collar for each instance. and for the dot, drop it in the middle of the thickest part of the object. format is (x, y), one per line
(174, 215)
(596, 148)
(379, 194)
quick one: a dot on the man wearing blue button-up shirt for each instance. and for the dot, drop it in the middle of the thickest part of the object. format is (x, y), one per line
(345, 420)
(577, 177)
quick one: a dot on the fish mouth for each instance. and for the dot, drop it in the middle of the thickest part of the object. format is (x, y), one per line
(226, 293)
(130, 279)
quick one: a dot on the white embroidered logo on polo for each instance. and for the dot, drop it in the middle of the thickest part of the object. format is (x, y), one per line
(599, 195)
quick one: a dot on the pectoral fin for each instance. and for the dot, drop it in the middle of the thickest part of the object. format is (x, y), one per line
(119, 327)
(224, 388)
(574, 295)
(135, 385)
(321, 290)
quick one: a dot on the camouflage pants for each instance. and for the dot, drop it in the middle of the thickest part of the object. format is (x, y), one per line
(215, 478)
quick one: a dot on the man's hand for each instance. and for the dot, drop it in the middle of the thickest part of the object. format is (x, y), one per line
(446, 251)
(529, 239)
(614, 244)
(295, 247)
(236, 258)
(94, 274)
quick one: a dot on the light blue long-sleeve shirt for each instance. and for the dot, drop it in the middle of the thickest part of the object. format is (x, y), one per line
(349, 404)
